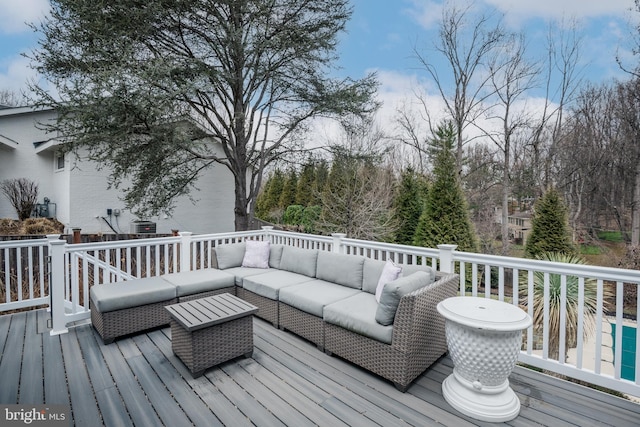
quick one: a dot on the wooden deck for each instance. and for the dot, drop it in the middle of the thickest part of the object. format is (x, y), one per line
(138, 381)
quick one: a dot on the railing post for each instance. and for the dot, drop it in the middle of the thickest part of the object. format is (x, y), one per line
(267, 232)
(185, 250)
(446, 258)
(337, 242)
(56, 284)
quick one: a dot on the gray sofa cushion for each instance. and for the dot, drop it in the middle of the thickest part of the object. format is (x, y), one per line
(275, 256)
(197, 281)
(301, 261)
(132, 293)
(408, 270)
(371, 274)
(393, 291)
(269, 284)
(357, 313)
(241, 272)
(340, 268)
(230, 255)
(311, 297)
(373, 268)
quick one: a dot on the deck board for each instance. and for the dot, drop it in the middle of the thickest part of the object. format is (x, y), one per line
(31, 389)
(288, 381)
(10, 366)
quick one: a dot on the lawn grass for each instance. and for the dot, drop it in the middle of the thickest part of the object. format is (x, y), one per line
(590, 250)
(610, 236)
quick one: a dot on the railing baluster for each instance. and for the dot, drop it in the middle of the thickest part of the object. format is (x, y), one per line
(619, 330)
(599, 305)
(545, 329)
(563, 319)
(580, 328)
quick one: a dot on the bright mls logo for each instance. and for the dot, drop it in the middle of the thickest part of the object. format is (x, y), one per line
(35, 415)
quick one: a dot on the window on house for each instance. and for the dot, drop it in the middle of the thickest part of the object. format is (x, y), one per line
(59, 161)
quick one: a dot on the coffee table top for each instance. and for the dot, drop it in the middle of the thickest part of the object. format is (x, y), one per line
(209, 311)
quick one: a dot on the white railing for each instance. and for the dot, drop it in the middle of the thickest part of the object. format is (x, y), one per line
(23, 279)
(594, 358)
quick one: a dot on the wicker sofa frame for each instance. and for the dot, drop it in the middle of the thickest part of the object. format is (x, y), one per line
(418, 338)
(113, 324)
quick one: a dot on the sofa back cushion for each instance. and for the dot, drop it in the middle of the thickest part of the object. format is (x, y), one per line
(301, 261)
(371, 274)
(275, 256)
(342, 269)
(230, 255)
(410, 269)
(393, 291)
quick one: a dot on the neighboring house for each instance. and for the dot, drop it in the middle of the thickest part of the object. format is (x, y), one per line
(519, 223)
(77, 192)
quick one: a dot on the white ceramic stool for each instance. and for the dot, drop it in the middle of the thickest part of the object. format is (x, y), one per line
(484, 338)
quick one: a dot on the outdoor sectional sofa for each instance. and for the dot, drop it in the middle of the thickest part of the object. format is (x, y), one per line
(329, 299)
(325, 297)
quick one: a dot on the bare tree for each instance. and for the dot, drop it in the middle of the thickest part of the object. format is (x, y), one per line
(410, 134)
(628, 104)
(466, 41)
(511, 76)
(562, 79)
(22, 194)
(358, 196)
(9, 98)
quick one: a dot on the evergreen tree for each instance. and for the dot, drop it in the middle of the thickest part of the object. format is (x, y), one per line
(288, 196)
(272, 200)
(409, 203)
(305, 188)
(320, 181)
(262, 202)
(445, 219)
(549, 227)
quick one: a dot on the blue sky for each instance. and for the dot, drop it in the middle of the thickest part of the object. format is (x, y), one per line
(383, 33)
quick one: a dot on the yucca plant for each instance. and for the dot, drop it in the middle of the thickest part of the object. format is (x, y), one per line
(572, 309)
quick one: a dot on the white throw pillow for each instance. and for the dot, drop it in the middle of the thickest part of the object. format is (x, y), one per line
(390, 272)
(256, 254)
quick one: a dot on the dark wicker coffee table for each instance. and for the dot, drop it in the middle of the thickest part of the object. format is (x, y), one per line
(208, 331)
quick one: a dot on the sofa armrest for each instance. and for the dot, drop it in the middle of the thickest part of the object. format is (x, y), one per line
(418, 327)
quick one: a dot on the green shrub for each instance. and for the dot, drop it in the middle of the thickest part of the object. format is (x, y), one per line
(293, 215)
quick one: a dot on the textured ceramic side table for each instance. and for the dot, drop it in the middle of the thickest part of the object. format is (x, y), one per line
(484, 337)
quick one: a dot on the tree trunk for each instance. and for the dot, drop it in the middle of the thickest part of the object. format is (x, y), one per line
(635, 210)
(240, 210)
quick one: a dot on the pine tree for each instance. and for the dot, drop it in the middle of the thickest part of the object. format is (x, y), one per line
(549, 227)
(408, 204)
(305, 188)
(272, 198)
(288, 196)
(262, 202)
(445, 219)
(320, 181)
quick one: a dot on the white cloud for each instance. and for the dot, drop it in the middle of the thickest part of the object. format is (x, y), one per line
(519, 11)
(426, 12)
(429, 12)
(17, 73)
(15, 14)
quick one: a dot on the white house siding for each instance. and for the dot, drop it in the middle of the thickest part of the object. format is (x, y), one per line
(80, 192)
(211, 213)
(21, 161)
